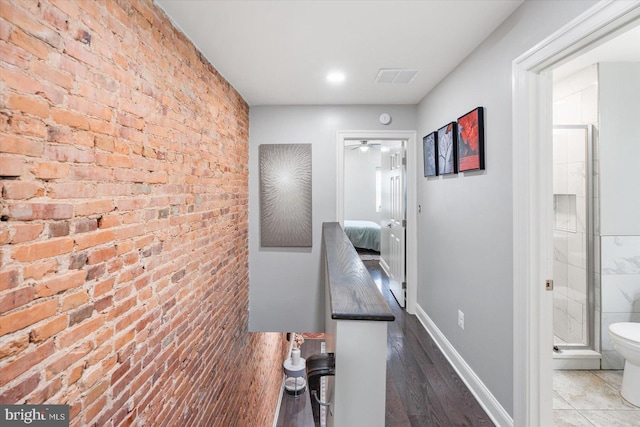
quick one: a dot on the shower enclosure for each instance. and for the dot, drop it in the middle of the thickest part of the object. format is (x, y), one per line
(573, 238)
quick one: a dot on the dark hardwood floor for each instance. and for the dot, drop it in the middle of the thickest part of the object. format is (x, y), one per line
(423, 390)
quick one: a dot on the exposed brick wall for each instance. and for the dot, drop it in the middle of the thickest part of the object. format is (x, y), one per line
(123, 263)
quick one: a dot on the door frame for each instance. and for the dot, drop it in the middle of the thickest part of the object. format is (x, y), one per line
(411, 253)
(532, 201)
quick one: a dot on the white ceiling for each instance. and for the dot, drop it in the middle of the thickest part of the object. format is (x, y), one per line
(279, 52)
(621, 47)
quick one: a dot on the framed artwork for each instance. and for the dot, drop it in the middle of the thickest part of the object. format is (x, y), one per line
(285, 195)
(430, 153)
(471, 140)
(447, 149)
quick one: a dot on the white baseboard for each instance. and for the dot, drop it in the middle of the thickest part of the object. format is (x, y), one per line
(488, 402)
(275, 419)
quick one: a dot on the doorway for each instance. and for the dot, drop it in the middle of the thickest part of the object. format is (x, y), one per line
(533, 201)
(386, 137)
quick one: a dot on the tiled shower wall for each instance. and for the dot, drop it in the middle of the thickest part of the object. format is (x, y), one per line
(575, 103)
(619, 100)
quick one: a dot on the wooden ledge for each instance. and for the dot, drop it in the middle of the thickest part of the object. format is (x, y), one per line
(352, 292)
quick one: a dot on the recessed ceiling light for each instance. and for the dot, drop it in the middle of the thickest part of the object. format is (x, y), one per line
(335, 77)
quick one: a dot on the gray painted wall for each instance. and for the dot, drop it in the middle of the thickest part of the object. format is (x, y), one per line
(465, 228)
(360, 184)
(619, 151)
(285, 289)
(619, 99)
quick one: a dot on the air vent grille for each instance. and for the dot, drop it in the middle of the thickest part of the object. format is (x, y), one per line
(396, 76)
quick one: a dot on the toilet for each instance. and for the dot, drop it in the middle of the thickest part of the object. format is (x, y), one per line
(626, 341)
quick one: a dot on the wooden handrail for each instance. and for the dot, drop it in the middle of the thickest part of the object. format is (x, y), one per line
(353, 293)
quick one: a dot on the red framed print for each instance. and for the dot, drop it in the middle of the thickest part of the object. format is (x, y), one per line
(471, 140)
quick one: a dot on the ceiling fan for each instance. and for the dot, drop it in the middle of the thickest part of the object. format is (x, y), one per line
(365, 145)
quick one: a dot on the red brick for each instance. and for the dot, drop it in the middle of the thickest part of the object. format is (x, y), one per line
(25, 362)
(39, 250)
(14, 345)
(74, 300)
(27, 316)
(26, 23)
(71, 190)
(29, 43)
(12, 54)
(94, 409)
(48, 329)
(84, 138)
(26, 232)
(91, 173)
(90, 108)
(91, 376)
(96, 238)
(11, 166)
(4, 231)
(101, 126)
(80, 331)
(54, 75)
(114, 160)
(94, 207)
(78, 51)
(51, 170)
(86, 225)
(16, 298)
(58, 229)
(17, 393)
(60, 134)
(22, 189)
(19, 80)
(32, 211)
(64, 153)
(19, 145)
(29, 105)
(60, 283)
(67, 359)
(37, 270)
(28, 126)
(75, 374)
(40, 396)
(101, 255)
(103, 287)
(69, 8)
(113, 110)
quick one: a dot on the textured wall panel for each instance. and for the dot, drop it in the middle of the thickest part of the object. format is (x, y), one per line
(285, 195)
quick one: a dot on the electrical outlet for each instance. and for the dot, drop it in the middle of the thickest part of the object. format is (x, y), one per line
(461, 319)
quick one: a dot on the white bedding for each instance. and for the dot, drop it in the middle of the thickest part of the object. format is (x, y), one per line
(363, 234)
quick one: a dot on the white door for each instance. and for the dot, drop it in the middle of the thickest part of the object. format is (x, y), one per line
(393, 218)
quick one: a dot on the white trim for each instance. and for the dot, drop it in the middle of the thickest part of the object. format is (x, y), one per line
(275, 419)
(412, 204)
(531, 200)
(482, 394)
(284, 378)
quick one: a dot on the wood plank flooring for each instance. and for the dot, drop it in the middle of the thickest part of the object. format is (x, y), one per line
(423, 390)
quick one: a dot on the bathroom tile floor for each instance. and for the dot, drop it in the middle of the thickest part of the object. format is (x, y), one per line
(591, 398)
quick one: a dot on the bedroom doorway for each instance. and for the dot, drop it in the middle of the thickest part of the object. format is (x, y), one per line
(375, 205)
(410, 196)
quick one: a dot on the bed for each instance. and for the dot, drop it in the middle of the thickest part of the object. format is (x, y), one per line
(363, 234)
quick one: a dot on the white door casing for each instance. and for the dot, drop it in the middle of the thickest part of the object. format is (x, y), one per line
(411, 205)
(532, 200)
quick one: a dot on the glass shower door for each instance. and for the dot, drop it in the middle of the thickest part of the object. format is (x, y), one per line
(573, 300)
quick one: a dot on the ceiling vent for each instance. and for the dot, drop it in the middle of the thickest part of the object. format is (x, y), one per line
(396, 76)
